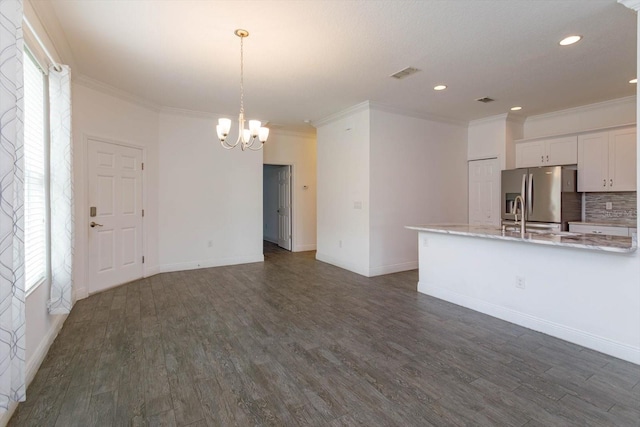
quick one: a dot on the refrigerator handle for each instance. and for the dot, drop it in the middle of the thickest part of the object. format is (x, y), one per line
(530, 195)
(524, 183)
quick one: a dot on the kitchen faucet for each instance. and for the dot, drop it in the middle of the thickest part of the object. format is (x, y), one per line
(515, 213)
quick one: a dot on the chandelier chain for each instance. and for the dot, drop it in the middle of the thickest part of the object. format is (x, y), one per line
(241, 74)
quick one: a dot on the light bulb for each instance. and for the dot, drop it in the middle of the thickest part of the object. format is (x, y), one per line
(225, 126)
(263, 134)
(254, 127)
(221, 134)
(246, 135)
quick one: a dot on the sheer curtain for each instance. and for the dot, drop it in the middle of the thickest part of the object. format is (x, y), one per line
(12, 296)
(61, 190)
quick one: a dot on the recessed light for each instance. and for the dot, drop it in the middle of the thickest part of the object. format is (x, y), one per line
(439, 87)
(570, 40)
(633, 81)
(516, 108)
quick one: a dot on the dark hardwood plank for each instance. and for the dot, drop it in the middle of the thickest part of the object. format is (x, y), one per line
(293, 341)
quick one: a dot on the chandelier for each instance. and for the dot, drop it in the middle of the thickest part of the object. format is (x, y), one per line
(256, 132)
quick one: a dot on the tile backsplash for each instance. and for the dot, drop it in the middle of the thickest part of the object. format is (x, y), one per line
(623, 207)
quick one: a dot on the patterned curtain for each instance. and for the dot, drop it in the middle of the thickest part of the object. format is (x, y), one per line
(12, 322)
(61, 190)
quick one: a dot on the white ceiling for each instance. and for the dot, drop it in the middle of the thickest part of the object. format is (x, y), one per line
(307, 59)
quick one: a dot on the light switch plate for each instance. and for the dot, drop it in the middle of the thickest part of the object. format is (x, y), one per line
(609, 206)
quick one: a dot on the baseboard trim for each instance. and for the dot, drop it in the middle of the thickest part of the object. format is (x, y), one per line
(576, 336)
(219, 262)
(33, 365)
(304, 248)
(41, 352)
(270, 239)
(338, 263)
(81, 293)
(393, 268)
(151, 271)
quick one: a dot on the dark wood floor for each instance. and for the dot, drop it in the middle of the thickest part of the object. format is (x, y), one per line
(294, 342)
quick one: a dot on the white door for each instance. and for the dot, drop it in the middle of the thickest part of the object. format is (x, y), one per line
(484, 191)
(284, 207)
(115, 232)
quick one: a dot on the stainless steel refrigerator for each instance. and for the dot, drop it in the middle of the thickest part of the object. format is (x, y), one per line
(549, 193)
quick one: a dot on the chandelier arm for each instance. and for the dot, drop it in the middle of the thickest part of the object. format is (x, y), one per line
(228, 146)
(256, 149)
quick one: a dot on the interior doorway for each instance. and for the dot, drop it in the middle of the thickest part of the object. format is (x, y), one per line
(277, 205)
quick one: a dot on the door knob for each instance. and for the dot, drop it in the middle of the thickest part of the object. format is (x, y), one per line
(95, 224)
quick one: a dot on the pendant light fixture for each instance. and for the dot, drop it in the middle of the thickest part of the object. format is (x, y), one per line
(256, 132)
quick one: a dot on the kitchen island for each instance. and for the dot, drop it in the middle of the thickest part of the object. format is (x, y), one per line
(581, 288)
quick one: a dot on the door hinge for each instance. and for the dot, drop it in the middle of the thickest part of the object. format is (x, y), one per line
(142, 166)
(143, 212)
(143, 259)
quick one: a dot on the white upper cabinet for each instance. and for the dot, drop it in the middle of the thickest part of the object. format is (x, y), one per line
(547, 152)
(607, 161)
(622, 160)
(593, 161)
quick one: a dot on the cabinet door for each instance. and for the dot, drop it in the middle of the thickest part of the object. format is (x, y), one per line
(593, 162)
(622, 160)
(561, 151)
(530, 154)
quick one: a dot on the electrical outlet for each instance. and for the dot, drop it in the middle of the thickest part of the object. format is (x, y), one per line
(339, 243)
(520, 282)
(609, 206)
(210, 243)
(425, 242)
(357, 205)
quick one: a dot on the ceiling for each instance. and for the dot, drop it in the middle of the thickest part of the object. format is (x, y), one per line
(307, 59)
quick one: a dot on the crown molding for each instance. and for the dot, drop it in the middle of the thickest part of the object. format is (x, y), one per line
(584, 108)
(504, 117)
(369, 105)
(631, 4)
(341, 114)
(189, 113)
(311, 133)
(416, 115)
(107, 89)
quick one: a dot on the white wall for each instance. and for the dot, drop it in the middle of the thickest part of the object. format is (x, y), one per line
(603, 114)
(418, 175)
(270, 202)
(343, 181)
(209, 198)
(298, 150)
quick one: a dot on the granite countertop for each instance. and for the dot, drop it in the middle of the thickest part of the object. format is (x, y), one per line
(581, 241)
(628, 223)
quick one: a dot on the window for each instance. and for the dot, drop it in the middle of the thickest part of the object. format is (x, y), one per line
(35, 214)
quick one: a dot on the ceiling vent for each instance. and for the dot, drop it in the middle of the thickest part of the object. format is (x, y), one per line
(404, 73)
(485, 100)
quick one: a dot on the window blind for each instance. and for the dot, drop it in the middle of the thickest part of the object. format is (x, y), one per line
(34, 173)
